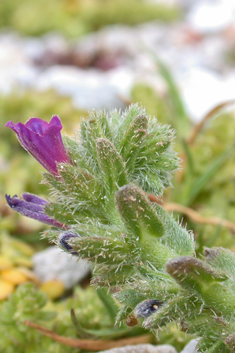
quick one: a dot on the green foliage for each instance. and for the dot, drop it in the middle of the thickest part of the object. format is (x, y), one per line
(134, 245)
(143, 251)
(75, 18)
(167, 107)
(87, 188)
(26, 303)
(93, 313)
(208, 188)
(128, 239)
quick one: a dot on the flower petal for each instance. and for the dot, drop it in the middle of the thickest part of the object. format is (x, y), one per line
(34, 199)
(37, 125)
(43, 141)
(32, 209)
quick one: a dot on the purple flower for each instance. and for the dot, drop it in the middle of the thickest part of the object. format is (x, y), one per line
(43, 141)
(32, 206)
(64, 239)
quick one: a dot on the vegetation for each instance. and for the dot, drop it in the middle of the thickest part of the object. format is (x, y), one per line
(103, 196)
(77, 17)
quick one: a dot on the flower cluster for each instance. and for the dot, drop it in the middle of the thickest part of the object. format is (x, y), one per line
(44, 142)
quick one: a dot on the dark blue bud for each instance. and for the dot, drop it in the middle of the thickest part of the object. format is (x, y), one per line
(147, 307)
(64, 240)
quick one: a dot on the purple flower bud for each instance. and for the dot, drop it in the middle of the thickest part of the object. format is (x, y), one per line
(32, 206)
(147, 307)
(43, 141)
(64, 239)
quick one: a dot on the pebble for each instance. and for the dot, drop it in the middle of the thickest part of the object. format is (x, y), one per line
(202, 90)
(89, 89)
(191, 347)
(54, 264)
(143, 348)
(210, 17)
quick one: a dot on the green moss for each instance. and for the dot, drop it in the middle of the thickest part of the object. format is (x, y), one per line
(29, 303)
(26, 303)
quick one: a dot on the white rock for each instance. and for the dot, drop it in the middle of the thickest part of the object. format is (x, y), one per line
(202, 90)
(211, 16)
(55, 42)
(143, 348)
(15, 67)
(89, 89)
(115, 38)
(191, 347)
(53, 263)
(34, 48)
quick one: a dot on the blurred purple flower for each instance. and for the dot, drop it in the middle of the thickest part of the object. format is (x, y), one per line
(43, 141)
(32, 206)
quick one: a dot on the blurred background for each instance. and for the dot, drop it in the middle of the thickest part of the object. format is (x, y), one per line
(66, 57)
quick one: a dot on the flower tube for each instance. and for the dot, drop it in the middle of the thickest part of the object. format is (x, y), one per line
(43, 141)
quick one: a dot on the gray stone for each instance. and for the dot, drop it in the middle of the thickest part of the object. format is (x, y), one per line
(191, 347)
(89, 89)
(143, 348)
(210, 17)
(53, 263)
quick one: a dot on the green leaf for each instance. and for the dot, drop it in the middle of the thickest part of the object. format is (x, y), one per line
(197, 186)
(221, 259)
(137, 212)
(95, 127)
(109, 303)
(81, 332)
(182, 120)
(112, 275)
(81, 185)
(54, 182)
(130, 297)
(104, 250)
(176, 237)
(124, 122)
(218, 347)
(192, 273)
(189, 157)
(111, 165)
(131, 142)
(198, 277)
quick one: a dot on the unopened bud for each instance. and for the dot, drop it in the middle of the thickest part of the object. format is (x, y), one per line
(64, 241)
(147, 307)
